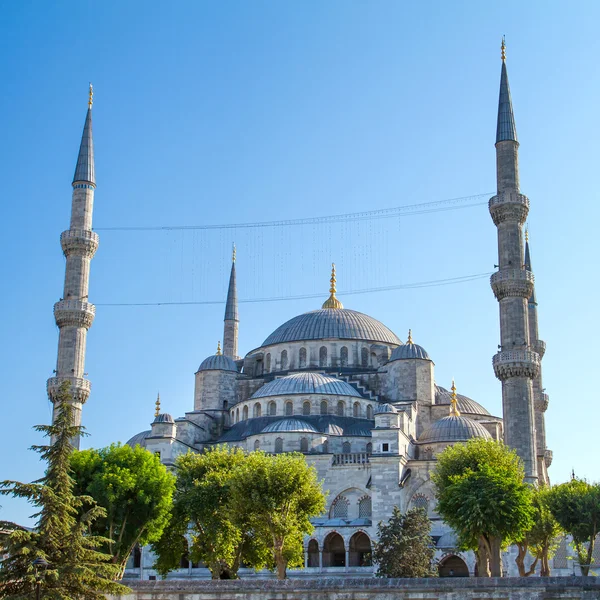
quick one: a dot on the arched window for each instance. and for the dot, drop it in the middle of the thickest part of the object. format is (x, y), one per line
(420, 501)
(257, 444)
(272, 408)
(245, 413)
(289, 409)
(257, 410)
(369, 412)
(334, 551)
(326, 447)
(323, 356)
(306, 408)
(284, 360)
(356, 409)
(359, 554)
(339, 508)
(346, 448)
(364, 507)
(237, 415)
(304, 445)
(233, 416)
(341, 408)
(313, 553)
(268, 363)
(302, 358)
(279, 445)
(369, 448)
(364, 357)
(324, 407)
(225, 405)
(344, 356)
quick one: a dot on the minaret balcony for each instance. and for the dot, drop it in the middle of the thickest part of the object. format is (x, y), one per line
(74, 313)
(541, 402)
(548, 458)
(80, 242)
(509, 206)
(539, 346)
(516, 363)
(517, 283)
(79, 388)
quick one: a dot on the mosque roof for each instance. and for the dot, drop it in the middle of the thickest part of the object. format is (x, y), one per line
(453, 429)
(218, 362)
(289, 425)
(332, 323)
(139, 439)
(306, 383)
(465, 404)
(164, 418)
(408, 351)
(506, 128)
(84, 170)
(385, 408)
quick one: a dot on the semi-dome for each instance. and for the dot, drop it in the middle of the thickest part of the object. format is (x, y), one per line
(217, 362)
(306, 383)
(289, 425)
(410, 350)
(330, 323)
(164, 418)
(385, 408)
(139, 439)
(453, 429)
(465, 404)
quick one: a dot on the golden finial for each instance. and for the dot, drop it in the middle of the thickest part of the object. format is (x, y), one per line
(503, 49)
(454, 412)
(91, 96)
(409, 340)
(332, 301)
(219, 348)
(157, 403)
(233, 254)
(527, 234)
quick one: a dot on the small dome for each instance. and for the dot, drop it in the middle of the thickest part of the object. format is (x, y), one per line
(306, 383)
(333, 429)
(218, 362)
(289, 425)
(447, 540)
(408, 351)
(164, 418)
(453, 429)
(139, 439)
(465, 404)
(385, 408)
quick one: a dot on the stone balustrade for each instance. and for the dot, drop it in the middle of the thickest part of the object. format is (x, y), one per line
(512, 282)
(351, 458)
(79, 241)
(516, 363)
(539, 346)
(548, 458)
(80, 388)
(509, 206)
(74, 313)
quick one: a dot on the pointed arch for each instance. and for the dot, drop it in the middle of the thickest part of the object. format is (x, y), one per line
(344, 356)
(302, 358)
(284, 360)
(323, 356)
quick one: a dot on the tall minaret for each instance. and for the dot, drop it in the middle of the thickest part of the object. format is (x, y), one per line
(516, 364)
(73, 313)
(540, 398)
(230, 331)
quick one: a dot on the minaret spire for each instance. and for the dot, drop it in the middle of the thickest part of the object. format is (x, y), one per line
(230, 330)
(517, 364)
(73, 313)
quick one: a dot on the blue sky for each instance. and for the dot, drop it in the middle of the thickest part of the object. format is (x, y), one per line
(236, 112)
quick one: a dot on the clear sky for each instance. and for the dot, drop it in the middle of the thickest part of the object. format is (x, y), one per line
(236, 112)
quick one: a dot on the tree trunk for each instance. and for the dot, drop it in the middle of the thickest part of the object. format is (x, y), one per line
(483, 569)
(281, 566)
(520, 560)
(495, 557)
(545, 568)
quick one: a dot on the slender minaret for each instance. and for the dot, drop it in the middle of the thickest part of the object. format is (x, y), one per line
(516, 364)
(230, 330)
(540, 398)
(73, 313)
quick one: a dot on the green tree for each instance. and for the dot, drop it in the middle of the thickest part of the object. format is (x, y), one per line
(278, 495)
(404, 547)
(134, 488)
(481, 495)
(576, 507)
(78, 569)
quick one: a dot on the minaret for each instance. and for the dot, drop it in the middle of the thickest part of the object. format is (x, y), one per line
(73, 313)
(516, 364)
(230, 330)
(540, 398)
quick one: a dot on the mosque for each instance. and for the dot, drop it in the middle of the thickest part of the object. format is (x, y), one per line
(340, 387)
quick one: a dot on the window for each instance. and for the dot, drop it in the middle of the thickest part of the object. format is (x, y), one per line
(302, 358)
(279, 445)
(284, 360)
(385, 447)
(306, 408)
(356, 409)
(289, 409)
(237, 415)
(369, 412)
(369, 448)
(324, 407)
(245, 413)
(304, 445)
(323, 356)
(268, 363)
(340, 508)
(344, 356)
(272, 408)
(420, 501)
(326, 447)
(257, 411)
(257, 444)
(225, 405)
(346, 448)
(364, 357)
(364, 508)
(341, 408)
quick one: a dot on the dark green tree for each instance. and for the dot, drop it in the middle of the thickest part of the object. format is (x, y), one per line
(134, 488)
(78, 569)
(576, 507)
(404, 547)
(481, 495)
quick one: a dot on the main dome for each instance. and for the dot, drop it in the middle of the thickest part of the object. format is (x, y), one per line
(328, 323)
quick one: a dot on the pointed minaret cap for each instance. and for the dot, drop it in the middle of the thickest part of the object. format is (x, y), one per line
(332, 301)
(84, 171)
(506, 129)
(527, 265)
(454, 412)
(231, 306)
(157, 404)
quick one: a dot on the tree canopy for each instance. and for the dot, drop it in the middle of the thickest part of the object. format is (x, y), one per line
(481, 495)
(133, 487)
(405, 547)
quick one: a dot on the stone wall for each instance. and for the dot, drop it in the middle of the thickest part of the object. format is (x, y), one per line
(531, 588)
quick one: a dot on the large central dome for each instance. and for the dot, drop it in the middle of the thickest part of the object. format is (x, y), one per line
(329, 323)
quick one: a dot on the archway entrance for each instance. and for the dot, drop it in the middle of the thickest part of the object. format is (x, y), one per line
(453, 566)
(313, 554)
(360, 550)
(334, 551)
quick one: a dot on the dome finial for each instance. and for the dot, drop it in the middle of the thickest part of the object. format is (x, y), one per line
(503, 49)
(454, 412)
(157, 403)
(332, 301)
(91, 96)
(219, 348)
(409, 340)
(527, 234)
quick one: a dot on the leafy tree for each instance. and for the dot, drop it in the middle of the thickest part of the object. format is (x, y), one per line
(576, 507)
(78, 569)
(134, 488)
(481, 495)
(278, 495)
(405, 547)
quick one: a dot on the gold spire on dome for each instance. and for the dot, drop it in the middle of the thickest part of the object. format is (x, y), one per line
(219, 348)
(527, 234)
(332, 301)
(91, 96)
(503, 49)
(409, 340)
(233, 254)
(157, 403)
(454, 412)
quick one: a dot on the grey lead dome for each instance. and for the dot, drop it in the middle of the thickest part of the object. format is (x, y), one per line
(306, 383)
(409, 351)
(453, 429)
(217, 362)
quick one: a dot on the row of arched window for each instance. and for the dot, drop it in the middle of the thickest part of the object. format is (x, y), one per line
(288, 410)
(339, 508)
(304, 446)
(323, 358)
